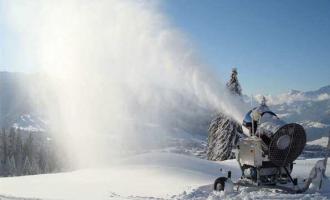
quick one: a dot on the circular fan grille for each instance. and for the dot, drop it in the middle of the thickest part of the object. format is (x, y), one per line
(287, 144)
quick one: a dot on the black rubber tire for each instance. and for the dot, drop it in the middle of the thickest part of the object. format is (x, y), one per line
(219, 184)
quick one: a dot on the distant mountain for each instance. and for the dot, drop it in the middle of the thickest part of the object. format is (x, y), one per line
(295, 96)
(322, 90)
(12, 97)
(311, 109)
(19, 100)
(29, 122)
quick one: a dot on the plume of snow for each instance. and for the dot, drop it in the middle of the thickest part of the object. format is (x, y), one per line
(119, 73)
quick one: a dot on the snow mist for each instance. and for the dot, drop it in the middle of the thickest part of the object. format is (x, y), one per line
(120, 75)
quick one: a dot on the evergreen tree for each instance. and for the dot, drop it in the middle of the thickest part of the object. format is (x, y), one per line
(4, 154)
(28, 146)
(11, 142)
(233, 84)
(1, 153)
(34, 167)
(19, 158)
(27, 166)
(263, 101)
(42, 159)
(12, 166)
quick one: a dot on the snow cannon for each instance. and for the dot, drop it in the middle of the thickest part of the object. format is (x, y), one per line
(279, 143)
(267, 152)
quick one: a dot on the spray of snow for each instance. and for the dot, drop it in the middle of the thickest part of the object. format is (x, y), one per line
(120, 74)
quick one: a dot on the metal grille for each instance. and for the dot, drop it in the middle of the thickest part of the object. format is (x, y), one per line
(281, 156)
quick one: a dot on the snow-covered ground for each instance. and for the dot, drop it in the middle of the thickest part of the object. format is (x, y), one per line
(146, 176)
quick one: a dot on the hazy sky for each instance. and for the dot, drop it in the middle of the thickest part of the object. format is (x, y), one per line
(276, 45)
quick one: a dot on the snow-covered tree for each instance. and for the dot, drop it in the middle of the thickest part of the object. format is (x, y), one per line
(24, 153)
(11, 142)
(42, 157)
(28, 146)
(19, 154)
(27, 166)
(233, 84)
(4, 154)
(224, 133)
(12, 165)
(263, 101)
(35, 169)
(263, 104)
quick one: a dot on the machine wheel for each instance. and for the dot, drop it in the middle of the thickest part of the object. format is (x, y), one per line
(219, 184)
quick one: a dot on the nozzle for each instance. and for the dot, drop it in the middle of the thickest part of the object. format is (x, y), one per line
(229, 174)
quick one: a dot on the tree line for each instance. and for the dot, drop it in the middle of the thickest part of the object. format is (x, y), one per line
(27, 153)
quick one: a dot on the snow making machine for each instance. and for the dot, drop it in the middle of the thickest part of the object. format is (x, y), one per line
(267, 154)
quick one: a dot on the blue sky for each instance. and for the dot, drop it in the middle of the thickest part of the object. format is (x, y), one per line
(276, 45)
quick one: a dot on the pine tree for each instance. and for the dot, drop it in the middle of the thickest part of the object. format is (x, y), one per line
(27, 166)
(47, 168)
(42, 159)
(233, 84)
(19, 158)
(263, 101)
(4, 154)
(11, 142)
(12, 166)
(1, 153)
(6, 167)
(34, 167)
(28, 146)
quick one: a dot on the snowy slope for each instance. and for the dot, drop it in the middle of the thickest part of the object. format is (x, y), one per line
(157, 175)
(147, 176)
(323, 142)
